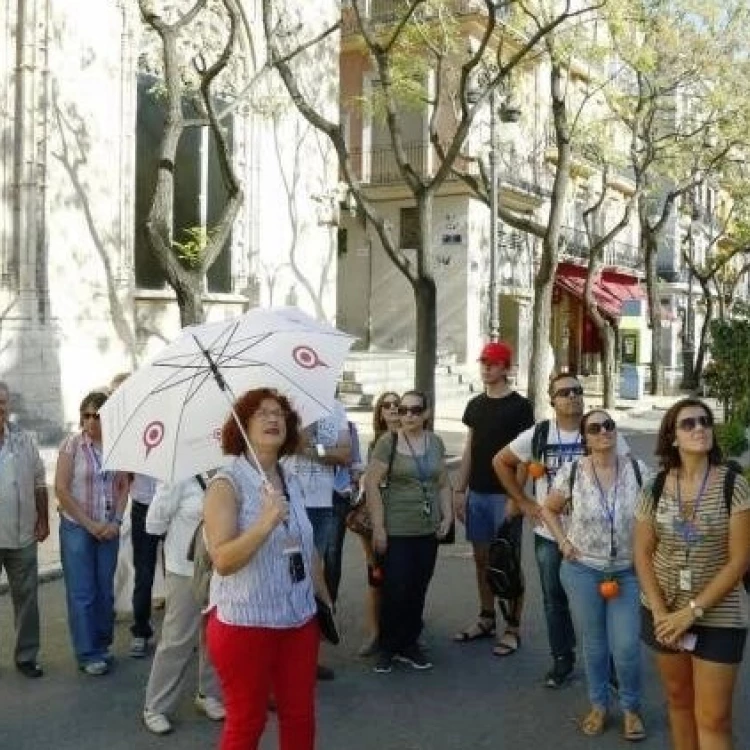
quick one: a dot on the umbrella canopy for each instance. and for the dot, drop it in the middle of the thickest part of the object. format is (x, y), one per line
(165, 419)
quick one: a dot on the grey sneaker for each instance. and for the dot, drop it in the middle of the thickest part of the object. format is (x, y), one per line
(95, 668)
(414, 657)
(138, 647)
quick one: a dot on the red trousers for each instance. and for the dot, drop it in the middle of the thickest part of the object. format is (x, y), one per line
(254, 663)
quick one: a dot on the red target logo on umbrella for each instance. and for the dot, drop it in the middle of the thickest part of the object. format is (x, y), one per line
(153, 435)
(307, 358)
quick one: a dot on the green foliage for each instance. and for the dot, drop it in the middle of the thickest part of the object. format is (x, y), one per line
(191, 251)
(728, 374)
(732, 438)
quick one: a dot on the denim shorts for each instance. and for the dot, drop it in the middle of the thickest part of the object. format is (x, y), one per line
(720, 645)
(484, 514)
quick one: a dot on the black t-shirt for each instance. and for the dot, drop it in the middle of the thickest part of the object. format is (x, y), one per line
(494, 423)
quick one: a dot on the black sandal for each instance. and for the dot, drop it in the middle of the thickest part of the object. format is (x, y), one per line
(484, 628)
(508, 643)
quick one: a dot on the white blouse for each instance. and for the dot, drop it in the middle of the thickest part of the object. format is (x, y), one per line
(589, 524)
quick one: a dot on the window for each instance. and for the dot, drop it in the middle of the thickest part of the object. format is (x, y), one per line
(196, 170)
(409, 237)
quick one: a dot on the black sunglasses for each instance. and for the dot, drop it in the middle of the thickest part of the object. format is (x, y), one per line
(596, 428)
(688, 424)
(573, 390)
(413, 410)
(389, 405)
(90, 415)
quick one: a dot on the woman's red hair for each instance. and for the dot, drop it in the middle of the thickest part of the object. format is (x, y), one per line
(232, 441)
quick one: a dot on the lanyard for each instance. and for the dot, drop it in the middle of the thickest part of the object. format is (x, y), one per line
(422, 471)
(609, 510)
(100, 478)
(568, 451)
(684, 527)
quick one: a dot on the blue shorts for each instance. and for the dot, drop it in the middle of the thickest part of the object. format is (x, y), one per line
(484, 514)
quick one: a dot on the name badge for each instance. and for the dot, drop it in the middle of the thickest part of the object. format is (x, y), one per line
(686, 580)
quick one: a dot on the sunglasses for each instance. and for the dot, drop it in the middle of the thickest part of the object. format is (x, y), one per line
(90, 415)
(415, 411)
(574, 390)
(688, 424)
(597, 428)
(389, 405)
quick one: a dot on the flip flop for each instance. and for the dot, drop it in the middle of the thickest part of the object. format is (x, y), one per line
(484, 628)
(507, 645)
(633, 729)
(594, 722)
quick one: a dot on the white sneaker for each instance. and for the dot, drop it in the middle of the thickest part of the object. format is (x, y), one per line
(212, 707)
(138, 647)
(156, 723)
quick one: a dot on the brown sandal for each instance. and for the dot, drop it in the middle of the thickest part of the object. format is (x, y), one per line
(594, 722)
(484, 628)
(632, 727)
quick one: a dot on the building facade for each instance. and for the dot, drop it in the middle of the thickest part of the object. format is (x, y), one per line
(80, 296)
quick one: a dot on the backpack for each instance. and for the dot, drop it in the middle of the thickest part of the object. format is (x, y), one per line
(633, 462)
(539, 440)
(730, 478)
(197, 553)
(504, 575)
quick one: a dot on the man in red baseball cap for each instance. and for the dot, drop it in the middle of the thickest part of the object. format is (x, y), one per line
(493, 419)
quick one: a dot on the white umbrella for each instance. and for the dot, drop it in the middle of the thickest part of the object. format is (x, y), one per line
(165, 419)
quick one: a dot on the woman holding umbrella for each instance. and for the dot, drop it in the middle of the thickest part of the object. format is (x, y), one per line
(92, 503)
(262, 633)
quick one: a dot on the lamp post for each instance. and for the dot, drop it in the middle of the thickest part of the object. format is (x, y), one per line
(507, 113)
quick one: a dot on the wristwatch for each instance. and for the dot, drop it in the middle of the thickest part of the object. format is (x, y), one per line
(696, 609)
(320, 449)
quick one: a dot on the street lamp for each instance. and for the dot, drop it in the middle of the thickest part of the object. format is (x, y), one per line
(506, 113)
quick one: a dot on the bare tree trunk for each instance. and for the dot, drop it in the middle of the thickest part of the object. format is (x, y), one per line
(608, 365)
(700, 362)
(425, 298)
(654, 305)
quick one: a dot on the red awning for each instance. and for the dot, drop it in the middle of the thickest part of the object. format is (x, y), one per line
(610, 290)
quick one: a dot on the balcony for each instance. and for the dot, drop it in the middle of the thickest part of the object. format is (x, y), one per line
(386, 13)
(574, 246)
(672, 275)
(377, 167)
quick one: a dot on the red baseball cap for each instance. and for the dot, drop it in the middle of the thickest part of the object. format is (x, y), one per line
(497, 353)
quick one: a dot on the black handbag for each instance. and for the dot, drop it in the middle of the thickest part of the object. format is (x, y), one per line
(326, 623)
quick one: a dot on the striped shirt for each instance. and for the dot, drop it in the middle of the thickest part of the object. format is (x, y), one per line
(92, 488)
(703, 558)
(262, 593)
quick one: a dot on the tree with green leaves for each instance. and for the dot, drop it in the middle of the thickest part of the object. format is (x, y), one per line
(192, 70)
(683, 101)
(426, 35)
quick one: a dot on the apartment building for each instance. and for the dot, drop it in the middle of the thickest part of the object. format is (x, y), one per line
(376, 302)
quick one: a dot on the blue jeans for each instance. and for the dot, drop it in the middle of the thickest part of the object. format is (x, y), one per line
(607, 626)
(560, 632)
(89, 572)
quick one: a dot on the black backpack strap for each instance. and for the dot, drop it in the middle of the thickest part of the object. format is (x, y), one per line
(391, 457)
(572, 478)
(637, 471)
(730, 479)
(201, 481)
(658, 487)
(539, 440)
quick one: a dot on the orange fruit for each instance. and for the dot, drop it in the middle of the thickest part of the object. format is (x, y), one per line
(609, 589)
(536, 470)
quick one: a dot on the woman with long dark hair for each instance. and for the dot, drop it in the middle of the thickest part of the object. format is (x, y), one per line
(408, 518)
(692, 547)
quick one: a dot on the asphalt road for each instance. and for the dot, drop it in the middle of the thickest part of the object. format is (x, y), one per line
(470, 700)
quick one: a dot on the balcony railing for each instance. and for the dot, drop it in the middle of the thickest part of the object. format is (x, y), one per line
(388, 12)
(574, 245)
(378, 167)
(672, 275)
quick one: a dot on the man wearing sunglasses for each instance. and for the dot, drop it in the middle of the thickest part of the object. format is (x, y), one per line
(493, 419)
(561, 445)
